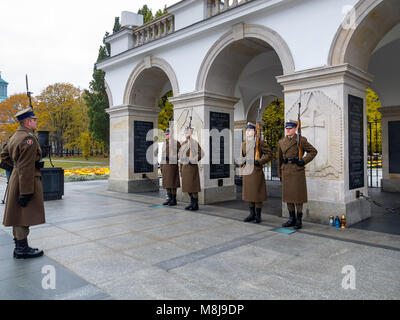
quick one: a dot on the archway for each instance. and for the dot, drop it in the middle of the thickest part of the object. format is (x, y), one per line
(240, 67)
(371, 42)
(132, 127)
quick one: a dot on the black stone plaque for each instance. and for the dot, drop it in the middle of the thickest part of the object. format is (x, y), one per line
(219, 121)
(141, 128)
(394, 146)
(356, 142)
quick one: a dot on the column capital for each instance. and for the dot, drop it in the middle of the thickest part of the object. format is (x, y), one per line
(201, 98)
(326, 76)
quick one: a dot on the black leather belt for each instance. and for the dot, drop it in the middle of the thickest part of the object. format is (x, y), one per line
(290, 160)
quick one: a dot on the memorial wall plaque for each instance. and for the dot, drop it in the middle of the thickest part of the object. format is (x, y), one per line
(140, 129)
(219, 121)
(394, 146)
(356, 142)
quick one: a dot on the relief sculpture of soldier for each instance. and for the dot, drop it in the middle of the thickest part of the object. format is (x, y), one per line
(169, 168)
(254, 190)
(291, 170)
(24, 205)
(189, 155)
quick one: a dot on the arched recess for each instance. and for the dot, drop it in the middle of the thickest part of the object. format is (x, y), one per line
(362, 30)
(240, 32)
(151, 75)
(109, 94)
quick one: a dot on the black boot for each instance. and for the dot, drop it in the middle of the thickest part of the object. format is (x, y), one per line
(166, 203)
(173, 200)
(23, 251)
(195, 205)
(189, 207)
(252, 215)
(292, 220)
(258, 215)
(298, 224)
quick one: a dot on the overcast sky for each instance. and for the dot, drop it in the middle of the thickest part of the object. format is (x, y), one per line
(57, 41)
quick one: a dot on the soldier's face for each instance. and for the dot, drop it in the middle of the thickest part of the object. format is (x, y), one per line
(250, 133)
(291, 131)
(167, 136)
(32, 123)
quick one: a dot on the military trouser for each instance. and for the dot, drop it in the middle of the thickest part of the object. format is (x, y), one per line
(258, 205)
(291, 207)
(20, 233)
(194, 195)
(171, 190)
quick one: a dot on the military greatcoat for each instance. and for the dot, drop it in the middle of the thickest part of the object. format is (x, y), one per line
(22, 151)
(189, 156)
(254, 187)
(169, 164)
(294, 187)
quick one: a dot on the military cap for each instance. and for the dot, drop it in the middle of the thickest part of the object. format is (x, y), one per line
(167, 131)
(291, 124)
(250, 126)
(26, 113)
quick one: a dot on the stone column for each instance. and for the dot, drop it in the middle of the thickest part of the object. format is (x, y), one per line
(333, 105)
(126, 174)
(205, 108)
(390, 149)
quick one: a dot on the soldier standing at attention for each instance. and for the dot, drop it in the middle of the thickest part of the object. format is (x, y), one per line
(24, 205)
(292, 172)
(190, 154)
(254, 189)
(169, 168)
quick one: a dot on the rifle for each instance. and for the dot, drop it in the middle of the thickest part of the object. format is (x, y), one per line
(258, 132)
(299, 133)
(28, 93)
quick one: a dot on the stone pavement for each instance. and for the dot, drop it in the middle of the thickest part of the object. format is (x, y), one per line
(106, 245)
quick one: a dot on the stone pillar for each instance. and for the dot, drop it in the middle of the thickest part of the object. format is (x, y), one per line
(334, 120)
(129, 170)
(217, 182)
(390, 149)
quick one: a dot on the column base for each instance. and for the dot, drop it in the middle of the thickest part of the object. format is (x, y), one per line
(319, 211)
(210, 195)
(390, 185)
(133, 186)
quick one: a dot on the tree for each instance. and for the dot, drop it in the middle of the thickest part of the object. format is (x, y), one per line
(274, 123)
(374, 119)
(55, 109)
(8, 109)
(146, 13)
(166, 111)
(96, 97)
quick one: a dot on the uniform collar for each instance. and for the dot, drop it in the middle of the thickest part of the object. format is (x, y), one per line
(23, 128)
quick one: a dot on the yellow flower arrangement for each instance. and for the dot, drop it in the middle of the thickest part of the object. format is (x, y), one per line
(87, 171)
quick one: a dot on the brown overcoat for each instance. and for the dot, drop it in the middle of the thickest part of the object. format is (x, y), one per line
(188, 165)
(294, 187)
(254, 188)
(169, 165)
(22, 151)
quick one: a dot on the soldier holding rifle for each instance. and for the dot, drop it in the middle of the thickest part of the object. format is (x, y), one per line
(291, 170)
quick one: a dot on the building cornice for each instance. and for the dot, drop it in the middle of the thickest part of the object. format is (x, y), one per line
(231, 16)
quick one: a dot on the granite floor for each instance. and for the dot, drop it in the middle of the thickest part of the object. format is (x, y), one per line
(105, 245)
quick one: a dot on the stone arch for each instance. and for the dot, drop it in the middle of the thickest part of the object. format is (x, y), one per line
(154, 63)
(109, 94)
(239, 32)
(362, 30)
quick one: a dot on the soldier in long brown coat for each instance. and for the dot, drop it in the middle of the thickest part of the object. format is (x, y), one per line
(292, 172)
(169, 168)
(189, 155)
(254, 190)
(24, 205)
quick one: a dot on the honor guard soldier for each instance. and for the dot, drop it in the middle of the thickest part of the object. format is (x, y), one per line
(189, 155)
(24, 205)
(169, 168)
(254, 189)
(292, 172)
